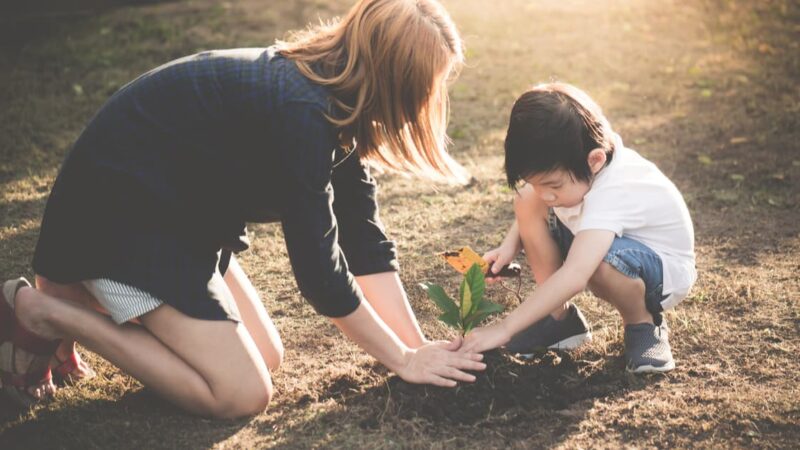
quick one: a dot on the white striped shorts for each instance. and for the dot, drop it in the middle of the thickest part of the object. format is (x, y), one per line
(122, 301)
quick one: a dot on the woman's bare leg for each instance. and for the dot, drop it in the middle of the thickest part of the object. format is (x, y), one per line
(209, 368)
(77, 293)
(254, 315)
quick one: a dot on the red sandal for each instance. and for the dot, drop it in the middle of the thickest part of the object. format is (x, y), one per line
(64, 372)
(20, 344)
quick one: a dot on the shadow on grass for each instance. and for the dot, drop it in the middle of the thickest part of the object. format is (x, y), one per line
(554, 391)
(138, 419)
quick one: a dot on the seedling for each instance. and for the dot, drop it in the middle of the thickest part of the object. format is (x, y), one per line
(471, 308)
(463, 258)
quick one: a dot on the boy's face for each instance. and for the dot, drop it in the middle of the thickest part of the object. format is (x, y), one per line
(558, 189)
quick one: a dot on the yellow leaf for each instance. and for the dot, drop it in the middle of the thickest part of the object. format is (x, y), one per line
(464, 258)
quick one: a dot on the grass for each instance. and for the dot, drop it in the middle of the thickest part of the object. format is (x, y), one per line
(706, 90)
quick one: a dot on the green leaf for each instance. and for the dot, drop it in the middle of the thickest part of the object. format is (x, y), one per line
(485, 310)
(451, 318)
(490, 307)
(474, 320)
(476, 280)
(437, 294)
(466, 300)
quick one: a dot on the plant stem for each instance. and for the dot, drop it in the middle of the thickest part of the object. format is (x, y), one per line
(519, 288)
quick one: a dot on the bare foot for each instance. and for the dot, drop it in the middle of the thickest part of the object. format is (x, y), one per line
(62, 358)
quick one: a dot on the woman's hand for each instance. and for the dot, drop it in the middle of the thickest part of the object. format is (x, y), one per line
(440, 363)
(482, 339)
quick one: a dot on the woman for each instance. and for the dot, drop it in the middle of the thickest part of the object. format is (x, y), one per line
(154, 195)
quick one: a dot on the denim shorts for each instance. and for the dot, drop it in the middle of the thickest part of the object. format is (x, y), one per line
(630, 257)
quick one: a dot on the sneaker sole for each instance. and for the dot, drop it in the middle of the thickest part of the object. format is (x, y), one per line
(569, 343)
(653, 369)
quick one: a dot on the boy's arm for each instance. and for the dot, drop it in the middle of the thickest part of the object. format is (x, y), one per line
(585, 255)
(505, 253)
(512, 239)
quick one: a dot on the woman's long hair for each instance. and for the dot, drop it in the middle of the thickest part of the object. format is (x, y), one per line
(387, 64)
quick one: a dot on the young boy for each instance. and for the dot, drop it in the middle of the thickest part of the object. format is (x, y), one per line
(590, 213)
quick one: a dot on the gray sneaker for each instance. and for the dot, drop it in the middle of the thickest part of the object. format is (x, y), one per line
(647, 348)
(565, 334)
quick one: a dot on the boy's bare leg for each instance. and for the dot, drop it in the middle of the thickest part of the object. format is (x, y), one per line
(541, 250)
(254, 315)
(626, 294)
(209, 368)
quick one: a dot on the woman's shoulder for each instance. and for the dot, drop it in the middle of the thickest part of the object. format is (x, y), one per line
(298, 88)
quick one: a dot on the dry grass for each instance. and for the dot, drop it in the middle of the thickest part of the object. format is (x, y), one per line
(708, 90)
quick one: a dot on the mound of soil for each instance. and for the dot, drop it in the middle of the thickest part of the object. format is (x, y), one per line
(549, 381)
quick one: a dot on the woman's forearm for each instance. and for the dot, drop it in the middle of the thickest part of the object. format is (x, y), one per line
(388, 298)
(364, 327)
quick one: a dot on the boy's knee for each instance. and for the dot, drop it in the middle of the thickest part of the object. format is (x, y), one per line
(527, 204)
(607, 280)
(601, 279)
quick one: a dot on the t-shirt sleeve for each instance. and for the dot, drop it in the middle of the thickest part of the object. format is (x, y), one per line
(611, 208)
(361, 233)
(308, 221)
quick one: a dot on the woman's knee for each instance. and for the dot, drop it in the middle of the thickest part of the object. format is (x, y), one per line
(275, 358)
(245, 401)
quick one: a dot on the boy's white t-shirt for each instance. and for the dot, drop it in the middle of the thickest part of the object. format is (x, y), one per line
(633, 198)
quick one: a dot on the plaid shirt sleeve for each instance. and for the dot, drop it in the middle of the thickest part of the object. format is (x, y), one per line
(361, 233)
(309, 223)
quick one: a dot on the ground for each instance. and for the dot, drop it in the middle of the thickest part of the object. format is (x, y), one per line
(708, 90)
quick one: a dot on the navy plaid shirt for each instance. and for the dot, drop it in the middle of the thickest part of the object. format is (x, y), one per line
(233, 136)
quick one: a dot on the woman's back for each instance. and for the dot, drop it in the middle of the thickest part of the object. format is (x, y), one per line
(206, 126)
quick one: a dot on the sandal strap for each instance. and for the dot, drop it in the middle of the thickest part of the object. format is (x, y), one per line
(6, 321)
(8, 293)
(25, 380)
(13, 330)
(67, 366)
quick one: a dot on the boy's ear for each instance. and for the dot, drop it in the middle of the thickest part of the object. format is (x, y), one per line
(596, 160)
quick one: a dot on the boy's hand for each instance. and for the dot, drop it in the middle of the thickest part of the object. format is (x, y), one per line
(497, 259)
(482, 339)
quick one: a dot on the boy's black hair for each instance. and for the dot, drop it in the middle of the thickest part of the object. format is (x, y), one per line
(554, 126)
